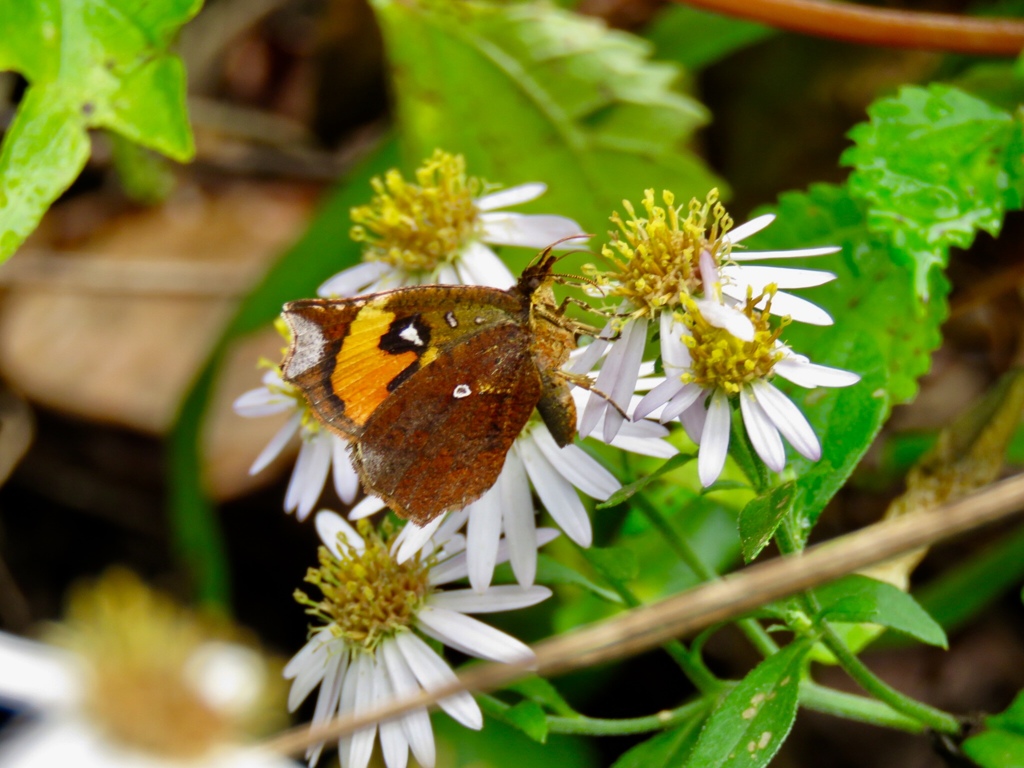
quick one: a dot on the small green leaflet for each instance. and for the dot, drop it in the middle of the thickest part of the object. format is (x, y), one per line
(859, 600)
(1001, 745)
(935, 165)
(753, 720)
(90, 64)
(666, 750)
(761, 516)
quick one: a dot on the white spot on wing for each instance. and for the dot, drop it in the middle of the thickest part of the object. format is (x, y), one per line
(449, 317)
(309, 345)
(410, 334)
(462, 390)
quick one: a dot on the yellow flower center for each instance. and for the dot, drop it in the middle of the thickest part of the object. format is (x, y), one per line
(367, 596)
(419, 226)
(719, 360)
(656, 257)
(136, 645)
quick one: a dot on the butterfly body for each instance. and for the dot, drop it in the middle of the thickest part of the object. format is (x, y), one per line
(432, 384)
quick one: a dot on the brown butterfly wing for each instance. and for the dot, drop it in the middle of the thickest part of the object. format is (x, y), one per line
(440, 442)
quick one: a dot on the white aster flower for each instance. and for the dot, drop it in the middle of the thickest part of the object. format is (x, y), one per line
(369, 650)
(706, 366)
(438, 229)
(321, 449)
(664, 262)
(535, 463)
(138, 685)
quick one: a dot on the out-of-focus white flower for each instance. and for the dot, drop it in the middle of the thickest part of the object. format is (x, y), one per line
(137, 685)
(438, 230)
(369, 649)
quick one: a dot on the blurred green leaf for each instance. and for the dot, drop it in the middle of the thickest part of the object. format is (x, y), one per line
(528, 717)
(144, 175)
(666, 750)
(753, 720)
(1002, 744)
(90, 64)
(529, 92)
(617, 564)
(761, 516)
(859, 600)
(935, 165)
(695, 38)
(883, 331)
(542, 692)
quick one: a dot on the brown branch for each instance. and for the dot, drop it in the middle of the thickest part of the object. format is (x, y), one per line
(879, 26)
(727, 598)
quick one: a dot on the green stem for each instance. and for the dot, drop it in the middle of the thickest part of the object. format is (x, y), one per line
(754, 631)
(851, 707)
(936, 719)
(591, 726)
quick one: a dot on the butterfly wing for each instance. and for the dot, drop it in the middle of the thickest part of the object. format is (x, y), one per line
(349, 355)
(440, 442)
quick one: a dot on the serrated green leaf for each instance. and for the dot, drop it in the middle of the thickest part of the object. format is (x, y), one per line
(626, 491)
(935, 165)
(542, 692)
(530, 92)
(666, 750)
(528, 717)
(883, 331)
(761, 516)
(617, 564)
(755, 717)
(859, 600)
(90, 64)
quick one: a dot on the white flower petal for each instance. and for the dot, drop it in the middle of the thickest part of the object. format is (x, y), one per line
(505, 198)
(457, 567)
(307, 668)
(796, 253)
(575, 465)
(359, 747)
(801, 310)
(745, 230)
(763, 434)
(416, 537)
(530, 230)
(261, 402)
(616, 379)
(276, 444)
(354, 280)
(445, 274)
(415, 723)
(690, 393)
(657, 397)
(587, 358)
(393, 744)
(369, 505)
(479, 265)
(346, 479)
(36, 674)
(520, 518)
(787, 417)
(309, 476)
(433, 673)
(330, 698)
(675, 355)
(482, 533)
(329, 525)
(556, 494)
(757, 278)
(693, 420)
(644, 445)
(810, 375)
(714, 440)
(727, 318)
(503, 597)
(466, 634)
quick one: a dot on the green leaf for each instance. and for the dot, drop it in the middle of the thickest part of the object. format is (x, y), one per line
(859, 600)
(528, 717)
(883, 331)
(626, 491)
(935, 165)
(1002, 744)
(529, 92)
(90, 64)
(696, 38)
(761, 516)
(551, 571)
(542, 692)
(754, 719)
(666, 750)
(617, 564)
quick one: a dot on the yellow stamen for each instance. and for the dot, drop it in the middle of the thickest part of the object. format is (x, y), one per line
(419, 226)
(367, 596)
(656, 257)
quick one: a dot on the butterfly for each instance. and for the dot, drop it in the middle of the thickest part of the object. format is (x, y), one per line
(433, 383)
